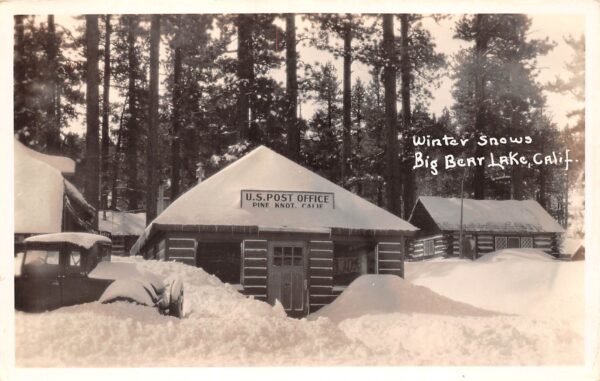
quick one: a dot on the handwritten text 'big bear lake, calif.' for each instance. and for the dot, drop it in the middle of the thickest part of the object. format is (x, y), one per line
(514, 157)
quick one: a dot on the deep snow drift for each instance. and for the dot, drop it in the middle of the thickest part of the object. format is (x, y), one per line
(223, 328)
(384, 294)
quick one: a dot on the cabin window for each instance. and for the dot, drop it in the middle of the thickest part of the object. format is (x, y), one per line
(351, 261)
(527, 242)
(513, 243)
(500, 243)
(222, 259)
(429, 247)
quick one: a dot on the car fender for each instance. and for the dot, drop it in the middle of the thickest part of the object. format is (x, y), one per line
(132, 290)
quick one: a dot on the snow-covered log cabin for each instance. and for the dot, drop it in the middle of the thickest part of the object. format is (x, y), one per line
(123, 228)
(46, 202)
(487, 225)
(278, 230)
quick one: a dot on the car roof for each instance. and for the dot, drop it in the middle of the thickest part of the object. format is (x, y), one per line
(84, 240)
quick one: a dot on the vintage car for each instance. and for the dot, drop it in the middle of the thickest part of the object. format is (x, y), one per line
(63, 269)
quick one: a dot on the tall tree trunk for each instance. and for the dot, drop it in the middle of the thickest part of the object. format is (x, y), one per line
(175, 123)
(152, 147)
(53, 126)
(105, 114)
(115, 167)
(19, 73)
(92, 113)
(245, 71)
(409, 190)
(347, 103)
(481, 39)
(132, 122)
(391, 130)
(293, 132)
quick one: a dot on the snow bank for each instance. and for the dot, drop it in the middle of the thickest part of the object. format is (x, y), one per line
(85, 240)
(525, 255)
(520, 281)
(125, 271)
(220, 327)
(223, 328)
(384, 294)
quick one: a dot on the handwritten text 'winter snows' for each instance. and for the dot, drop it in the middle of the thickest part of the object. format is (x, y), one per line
(511, 158)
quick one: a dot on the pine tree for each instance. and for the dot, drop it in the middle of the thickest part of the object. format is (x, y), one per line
(104, 165)
(152, 148)
(293, 132)
(46, 83)
(495, 88)
(389, 81)
(92, 158)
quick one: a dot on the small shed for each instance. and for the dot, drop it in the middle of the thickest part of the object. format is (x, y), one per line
(278, 230)
(124, 228)
(487, 225)
(572, 249)
(45, 202)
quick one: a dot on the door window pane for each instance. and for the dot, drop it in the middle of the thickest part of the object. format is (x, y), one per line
(287, 256)
(297, 256)
(277, 256)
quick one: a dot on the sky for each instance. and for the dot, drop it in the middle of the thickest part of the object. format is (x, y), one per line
(553, 26)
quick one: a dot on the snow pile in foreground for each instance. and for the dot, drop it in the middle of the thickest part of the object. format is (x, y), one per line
(223, 328)
(383, 294)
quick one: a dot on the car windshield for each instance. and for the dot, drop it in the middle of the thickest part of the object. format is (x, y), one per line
(41, 257)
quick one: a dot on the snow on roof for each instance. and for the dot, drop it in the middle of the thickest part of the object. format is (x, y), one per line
(216, 201)
(570, 246)
(490, 215)
(39, 190)
(121, 223)
(65, 165)
(85, 240)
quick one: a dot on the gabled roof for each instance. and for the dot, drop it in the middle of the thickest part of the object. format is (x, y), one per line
(216, 201)
(490, 215)
(39, 194)
(63, 164)
(121, 223)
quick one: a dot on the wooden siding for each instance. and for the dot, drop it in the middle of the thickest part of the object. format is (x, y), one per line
(416, 247)
(254, 268)
(181, 250)
(486, 242)
(320, 274)
(389, 258)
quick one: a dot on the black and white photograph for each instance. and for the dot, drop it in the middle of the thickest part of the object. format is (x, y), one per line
(288, 187)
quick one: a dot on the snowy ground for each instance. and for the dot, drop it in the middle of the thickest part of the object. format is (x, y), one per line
(511, 308)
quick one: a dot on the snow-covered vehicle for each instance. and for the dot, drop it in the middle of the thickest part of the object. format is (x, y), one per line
(63, 269)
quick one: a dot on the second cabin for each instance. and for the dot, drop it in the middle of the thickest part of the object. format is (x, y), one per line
(487, 225)
(278, 231)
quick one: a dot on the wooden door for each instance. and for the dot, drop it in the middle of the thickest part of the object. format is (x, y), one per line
(286, 280)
